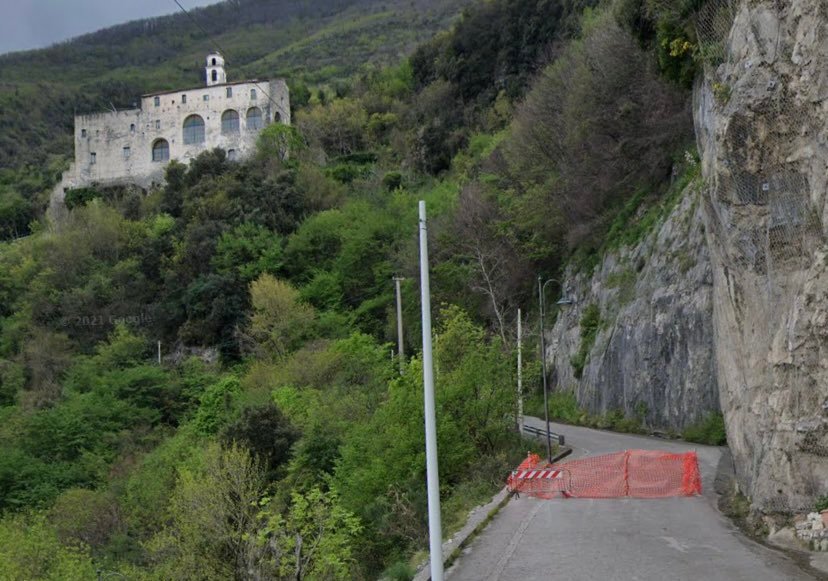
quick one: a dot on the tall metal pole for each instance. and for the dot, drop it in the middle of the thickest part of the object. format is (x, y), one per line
(519, 378)
(435, 528)
(543, 373)
(400, 351)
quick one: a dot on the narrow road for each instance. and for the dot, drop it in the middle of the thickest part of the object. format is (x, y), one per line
(624, 539)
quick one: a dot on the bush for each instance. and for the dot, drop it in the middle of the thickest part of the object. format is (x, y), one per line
(821, 503)
(590, 321)
(710, 431)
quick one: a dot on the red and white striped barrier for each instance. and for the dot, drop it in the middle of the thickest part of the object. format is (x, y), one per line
(536, 474)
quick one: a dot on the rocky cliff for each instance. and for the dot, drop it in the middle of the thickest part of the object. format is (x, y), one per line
(725, 305)
(653, 354)
(761, 116)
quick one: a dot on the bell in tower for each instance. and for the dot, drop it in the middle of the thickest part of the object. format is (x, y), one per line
(215, 69)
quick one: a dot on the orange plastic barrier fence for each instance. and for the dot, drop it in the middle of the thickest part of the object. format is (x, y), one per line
(632, 473)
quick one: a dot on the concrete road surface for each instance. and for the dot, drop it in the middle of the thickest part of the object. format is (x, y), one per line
(624, 539)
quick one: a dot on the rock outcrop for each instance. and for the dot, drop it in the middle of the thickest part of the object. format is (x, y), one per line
(762, 125)
(653, 355)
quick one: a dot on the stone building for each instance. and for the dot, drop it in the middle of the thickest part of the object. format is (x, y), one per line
(134, 146)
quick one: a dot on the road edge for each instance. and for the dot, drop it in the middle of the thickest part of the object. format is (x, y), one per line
(479, 519)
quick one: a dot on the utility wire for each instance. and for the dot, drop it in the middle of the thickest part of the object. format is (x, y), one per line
(221, 50)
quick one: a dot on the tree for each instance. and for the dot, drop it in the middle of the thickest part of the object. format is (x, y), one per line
(213, 515)
(598, 125)
(315, 540)
(279, 320)
(47, 356)
(267, 433)
(30, 549)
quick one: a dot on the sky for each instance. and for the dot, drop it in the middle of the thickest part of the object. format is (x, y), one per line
(27, 24)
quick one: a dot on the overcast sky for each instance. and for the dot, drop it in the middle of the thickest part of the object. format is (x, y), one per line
(26, 24)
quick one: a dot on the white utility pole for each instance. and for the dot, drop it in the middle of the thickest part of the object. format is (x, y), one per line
(520, 379)
(159, 353)
(435, 528)
(397, 280)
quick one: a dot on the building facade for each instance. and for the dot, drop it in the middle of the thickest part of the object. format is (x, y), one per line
(134, 146)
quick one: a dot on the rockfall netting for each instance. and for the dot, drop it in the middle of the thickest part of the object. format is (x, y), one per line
(763, 200)
(631, 473)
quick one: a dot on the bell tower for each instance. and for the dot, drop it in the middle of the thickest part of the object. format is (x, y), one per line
(215, 69)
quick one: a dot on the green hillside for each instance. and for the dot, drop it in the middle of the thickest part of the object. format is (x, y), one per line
(277, 439)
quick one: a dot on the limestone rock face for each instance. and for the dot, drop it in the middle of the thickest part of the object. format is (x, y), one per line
(654, 354)
(762, 125)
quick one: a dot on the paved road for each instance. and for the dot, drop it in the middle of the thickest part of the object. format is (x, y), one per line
(625, 539)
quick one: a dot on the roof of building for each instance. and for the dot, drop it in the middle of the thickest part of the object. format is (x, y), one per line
(169, 92)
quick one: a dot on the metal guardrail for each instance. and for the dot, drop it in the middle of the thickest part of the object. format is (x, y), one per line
(541, 433)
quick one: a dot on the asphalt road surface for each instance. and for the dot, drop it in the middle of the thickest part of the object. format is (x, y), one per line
(620, 539)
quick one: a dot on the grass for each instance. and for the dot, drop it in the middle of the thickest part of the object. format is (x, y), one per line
(709, 431)
(624, 281)
(563, 407)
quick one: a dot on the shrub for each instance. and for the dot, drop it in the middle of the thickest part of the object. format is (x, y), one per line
(710, 431)
(590, 321)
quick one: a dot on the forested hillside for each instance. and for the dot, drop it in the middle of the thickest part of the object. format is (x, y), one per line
(276, 438)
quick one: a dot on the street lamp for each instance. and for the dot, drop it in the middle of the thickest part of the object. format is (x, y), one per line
(541, 300)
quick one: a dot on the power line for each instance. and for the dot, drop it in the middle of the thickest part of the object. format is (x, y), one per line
(224, 53)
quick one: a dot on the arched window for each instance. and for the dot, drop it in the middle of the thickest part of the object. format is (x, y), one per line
(215, 75)
(214, 62)
(252, 94)
(160, 150)
(277, 118)
(229, 122)
(254, 119)
(193, 130)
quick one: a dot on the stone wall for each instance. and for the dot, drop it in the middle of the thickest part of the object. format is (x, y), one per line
(654, 352)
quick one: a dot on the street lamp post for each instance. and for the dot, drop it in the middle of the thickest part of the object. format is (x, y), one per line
(541, 289)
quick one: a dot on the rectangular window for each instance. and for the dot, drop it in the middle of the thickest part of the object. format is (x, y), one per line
(252, 94)
(183, 99)
(93, 158)
(132, 127)
(127, 152)
(158, 124)
(231, 154)
(229, 92)
(157, 101)
(206, 97)
(83, 132)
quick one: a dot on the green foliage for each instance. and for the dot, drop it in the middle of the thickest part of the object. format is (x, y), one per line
(821, 503)
(590, 323)
(315, 539)
(710, 431)
(80, 196)
(212, 512)
(248, 251)
(217, 406)
(30, 549)
(266, 432)
(676, 53)
(279, 141)
(283, 262)
(280, 320)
